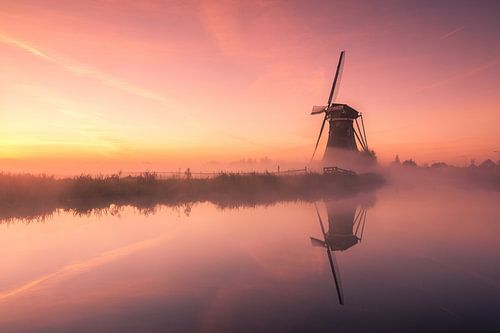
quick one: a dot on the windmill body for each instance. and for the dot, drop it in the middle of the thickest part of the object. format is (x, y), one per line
(341, 133)
(343, 139)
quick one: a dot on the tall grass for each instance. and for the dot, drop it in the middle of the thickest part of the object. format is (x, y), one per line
(26, 195)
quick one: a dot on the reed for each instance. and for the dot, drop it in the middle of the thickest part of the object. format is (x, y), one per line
(26, 195)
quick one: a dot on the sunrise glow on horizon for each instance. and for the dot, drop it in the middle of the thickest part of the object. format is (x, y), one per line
(109, 85)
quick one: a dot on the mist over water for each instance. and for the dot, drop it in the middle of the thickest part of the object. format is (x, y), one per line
(427, 261)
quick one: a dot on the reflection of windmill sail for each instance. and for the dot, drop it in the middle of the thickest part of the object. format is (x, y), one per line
(346, 225)
(331, 259)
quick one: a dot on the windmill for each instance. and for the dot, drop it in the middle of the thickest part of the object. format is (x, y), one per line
(345, 229)
(341, 118)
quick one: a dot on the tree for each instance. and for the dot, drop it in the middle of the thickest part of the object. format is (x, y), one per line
(410, 163)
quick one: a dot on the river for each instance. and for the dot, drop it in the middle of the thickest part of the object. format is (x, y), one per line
(405, 258)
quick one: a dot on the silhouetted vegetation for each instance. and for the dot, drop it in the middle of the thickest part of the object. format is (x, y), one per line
(28, 196)
(486, 175)
(409, 163)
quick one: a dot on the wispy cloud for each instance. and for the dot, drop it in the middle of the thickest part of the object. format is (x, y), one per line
(58, 103)
(463, 75)
(451, 33)
(74, 111)
(222, 24)
(83, 70)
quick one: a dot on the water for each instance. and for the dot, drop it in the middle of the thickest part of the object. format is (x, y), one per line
(427, 261)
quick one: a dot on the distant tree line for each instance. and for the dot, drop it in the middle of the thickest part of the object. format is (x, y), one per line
(486, 164)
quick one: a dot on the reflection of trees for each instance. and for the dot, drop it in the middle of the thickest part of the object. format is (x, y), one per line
(28, 213)
(35, 199)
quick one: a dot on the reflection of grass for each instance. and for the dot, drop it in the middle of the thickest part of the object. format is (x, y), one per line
(29, 196)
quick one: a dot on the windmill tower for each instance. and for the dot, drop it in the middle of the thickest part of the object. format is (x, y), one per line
(342, 136)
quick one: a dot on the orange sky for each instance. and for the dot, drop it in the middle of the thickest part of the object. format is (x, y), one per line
(92, 86)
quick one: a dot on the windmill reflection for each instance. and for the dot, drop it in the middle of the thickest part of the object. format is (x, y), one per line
(346, 225)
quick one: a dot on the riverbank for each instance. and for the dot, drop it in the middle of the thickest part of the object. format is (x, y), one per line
(28, 196)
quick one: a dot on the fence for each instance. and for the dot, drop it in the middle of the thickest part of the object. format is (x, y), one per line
(189, 174)
(337, 171)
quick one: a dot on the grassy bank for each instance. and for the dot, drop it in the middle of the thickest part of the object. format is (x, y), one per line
(26, 196)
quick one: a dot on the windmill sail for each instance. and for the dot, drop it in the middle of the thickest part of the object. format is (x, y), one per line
(334, 92)
(331, 98)
(318, 109)
(343, 139)
(319, 136)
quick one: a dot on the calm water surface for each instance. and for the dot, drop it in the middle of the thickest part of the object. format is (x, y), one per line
(405, 260)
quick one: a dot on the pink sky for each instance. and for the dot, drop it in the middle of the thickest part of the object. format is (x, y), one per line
(105, 85)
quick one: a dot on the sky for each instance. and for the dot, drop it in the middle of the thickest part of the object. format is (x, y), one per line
(101, 86)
